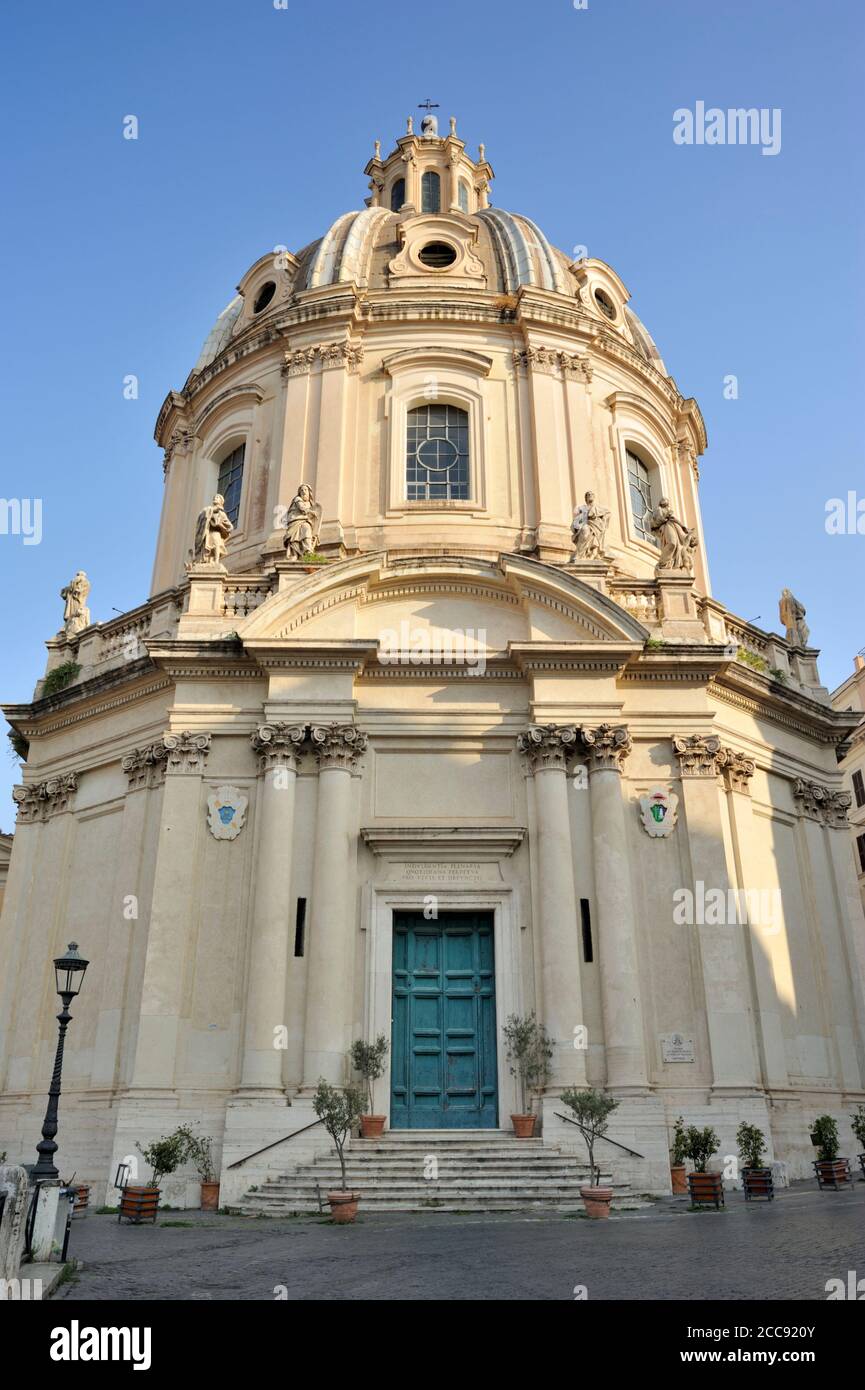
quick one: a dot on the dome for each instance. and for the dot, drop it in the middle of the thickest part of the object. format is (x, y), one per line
(427, 188)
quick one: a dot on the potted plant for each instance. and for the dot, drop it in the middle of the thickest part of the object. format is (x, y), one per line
(756, 1176)
(706, 1189)
(369, 1059)
(678, 1171)
(857, 1124)
(199, 1151)
(591, 1110)
(139, 1201)
(528, 1052)
(829, 1169)
(338, 1111)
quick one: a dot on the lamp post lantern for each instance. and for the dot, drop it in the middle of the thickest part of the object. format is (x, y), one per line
(69, 974)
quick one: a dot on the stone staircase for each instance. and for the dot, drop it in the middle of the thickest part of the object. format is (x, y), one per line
(431, 1170)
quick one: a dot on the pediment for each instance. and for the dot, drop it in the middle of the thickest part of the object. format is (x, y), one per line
(512, 603)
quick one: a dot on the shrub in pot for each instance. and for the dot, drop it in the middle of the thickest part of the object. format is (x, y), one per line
(199, 1151)
(706, 1189)
(591, 1110)
(678, 1171)
(756, 1176)
(140, 1201)
(369, 1059)
(528, 1050)
(829, 1169)
(339, 1110)
(857, 1124)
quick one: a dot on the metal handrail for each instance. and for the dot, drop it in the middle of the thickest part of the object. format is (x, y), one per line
(283, 1140)
(569, 1121)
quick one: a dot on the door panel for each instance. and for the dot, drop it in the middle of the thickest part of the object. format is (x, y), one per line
(443, 1059)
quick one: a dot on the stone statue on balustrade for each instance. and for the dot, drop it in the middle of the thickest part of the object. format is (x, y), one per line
(303, 524)
(589, 529)
(677, 541)
(792, 614)
(76, 614)
(211, 534)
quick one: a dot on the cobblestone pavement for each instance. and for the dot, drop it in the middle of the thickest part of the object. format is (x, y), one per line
(786, 1249)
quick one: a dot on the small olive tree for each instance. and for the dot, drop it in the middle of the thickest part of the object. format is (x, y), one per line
(752, 1145)
(857, 1123)
(529, 1050)
(678, 1153)
(591, 1110)
(700, 1144)
(164, 1155)
(338, 1110)
(369, 1059)
(824, 1133)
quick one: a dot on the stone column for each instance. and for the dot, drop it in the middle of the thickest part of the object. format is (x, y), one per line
(729, 1011)
(737, 771)
(606, 748)
(331, 932)
(277, 746)
(546, 749)
(168, 938)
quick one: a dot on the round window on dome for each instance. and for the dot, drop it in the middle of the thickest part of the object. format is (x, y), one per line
(438, 255)
(264, 296)
(605, 304)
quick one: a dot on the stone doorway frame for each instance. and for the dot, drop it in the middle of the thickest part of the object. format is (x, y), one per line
(378, 1004)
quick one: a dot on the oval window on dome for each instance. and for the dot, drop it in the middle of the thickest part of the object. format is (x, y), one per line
(438, 255)
(264, 296)
(605, 304)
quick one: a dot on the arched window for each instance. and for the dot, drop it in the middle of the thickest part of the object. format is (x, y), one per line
(397, 195)
(642, 501)
(430, 192)
(230, 481)
(437, 454)
(463, 195)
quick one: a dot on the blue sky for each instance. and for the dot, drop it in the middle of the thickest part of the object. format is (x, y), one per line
(255, 125)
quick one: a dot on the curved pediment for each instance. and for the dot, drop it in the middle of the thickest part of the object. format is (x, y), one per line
(374, 599)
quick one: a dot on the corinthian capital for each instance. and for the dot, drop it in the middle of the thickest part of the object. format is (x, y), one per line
(547, 745)
(145, 767)
(736, 768)
(337, 745)
(278, 745)
(606, 747)
(186, 752)
(697, 754)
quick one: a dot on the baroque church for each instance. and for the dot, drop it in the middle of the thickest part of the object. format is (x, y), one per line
(431, 718)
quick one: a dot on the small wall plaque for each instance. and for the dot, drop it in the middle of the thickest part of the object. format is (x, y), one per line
(675, 1047)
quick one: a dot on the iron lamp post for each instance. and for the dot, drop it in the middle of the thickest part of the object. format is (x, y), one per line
(69, 974)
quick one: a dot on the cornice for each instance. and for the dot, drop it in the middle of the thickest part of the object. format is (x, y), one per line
(81, 701)
(430, 843)
(791, 708)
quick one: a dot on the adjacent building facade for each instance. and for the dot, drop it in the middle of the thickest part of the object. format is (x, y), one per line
(850, 696)
(431, 718)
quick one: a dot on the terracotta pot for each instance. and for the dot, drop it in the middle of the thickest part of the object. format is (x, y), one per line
(706, 1189)
(139, 1204)
(597, 1201)
(524, 1125)
(82, 1198)
(758, 1182)
(679, 1179)
(210, 1196)
(833, 1172)
(343, 1206)
(372, 1126)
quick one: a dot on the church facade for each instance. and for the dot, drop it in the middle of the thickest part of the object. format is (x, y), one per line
(431, 718)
